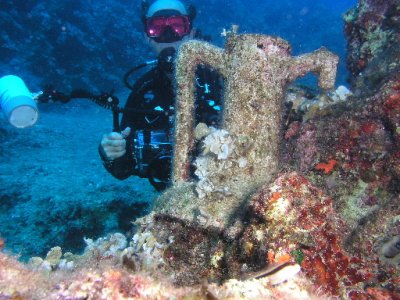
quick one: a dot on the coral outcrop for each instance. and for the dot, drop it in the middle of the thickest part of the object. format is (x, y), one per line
(303, 224)
(372, 29)
(352, 154)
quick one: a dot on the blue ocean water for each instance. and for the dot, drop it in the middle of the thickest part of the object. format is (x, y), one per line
(53, 188)
(78, 43)
(306, 24)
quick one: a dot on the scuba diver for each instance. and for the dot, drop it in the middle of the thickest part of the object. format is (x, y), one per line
(17, 103)
(144, 146)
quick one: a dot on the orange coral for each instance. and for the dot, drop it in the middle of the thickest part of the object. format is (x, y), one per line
(284, 258)
(275, 196)
(326, 167)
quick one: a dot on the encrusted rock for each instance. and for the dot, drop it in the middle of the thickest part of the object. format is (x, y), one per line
(244, 153)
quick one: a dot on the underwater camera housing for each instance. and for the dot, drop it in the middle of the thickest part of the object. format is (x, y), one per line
(152, 151)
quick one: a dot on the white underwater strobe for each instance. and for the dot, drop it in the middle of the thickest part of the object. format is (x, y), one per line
(17, 103)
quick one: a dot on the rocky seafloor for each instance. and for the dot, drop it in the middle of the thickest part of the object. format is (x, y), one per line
(326, 226)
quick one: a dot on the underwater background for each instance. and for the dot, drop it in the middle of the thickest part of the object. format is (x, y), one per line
(296, 196)
(53, 187)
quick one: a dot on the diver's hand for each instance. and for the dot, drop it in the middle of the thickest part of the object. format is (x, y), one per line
(114, 143)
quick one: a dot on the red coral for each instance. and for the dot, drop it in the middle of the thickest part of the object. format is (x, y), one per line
(327, 167)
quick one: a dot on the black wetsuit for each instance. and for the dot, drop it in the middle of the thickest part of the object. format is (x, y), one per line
(154, 91)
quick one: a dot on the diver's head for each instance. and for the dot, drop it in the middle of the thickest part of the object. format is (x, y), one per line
(167, 22)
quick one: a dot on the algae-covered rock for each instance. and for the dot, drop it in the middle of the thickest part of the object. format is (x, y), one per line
(244, 153)
(372, 30)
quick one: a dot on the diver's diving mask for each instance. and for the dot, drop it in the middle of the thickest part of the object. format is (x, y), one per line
(168, 29)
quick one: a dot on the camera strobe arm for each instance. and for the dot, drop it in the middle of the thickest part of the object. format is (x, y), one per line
(105, 100)
(49, 94)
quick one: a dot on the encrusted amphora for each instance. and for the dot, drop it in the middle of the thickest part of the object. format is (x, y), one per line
(243, 153)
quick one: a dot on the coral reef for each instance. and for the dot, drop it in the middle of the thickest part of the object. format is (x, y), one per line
(103, 276)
